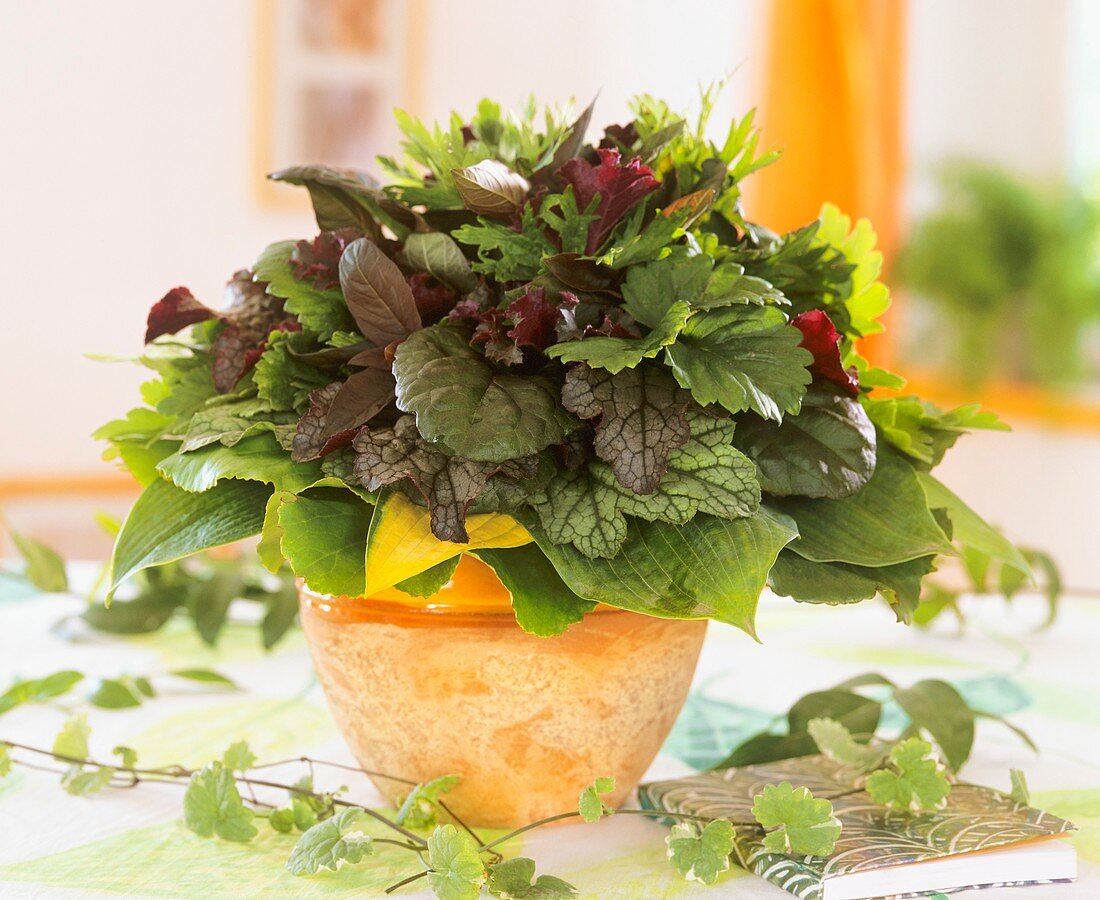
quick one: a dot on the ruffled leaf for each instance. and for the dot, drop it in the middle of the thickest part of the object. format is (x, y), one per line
(821, 338)
(620, 187)
(799, 824)
(175, 311)
(617, 353)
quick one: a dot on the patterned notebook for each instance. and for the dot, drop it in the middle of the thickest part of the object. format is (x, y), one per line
(876, 841)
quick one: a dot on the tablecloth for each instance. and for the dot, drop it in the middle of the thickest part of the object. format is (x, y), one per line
(133, 842)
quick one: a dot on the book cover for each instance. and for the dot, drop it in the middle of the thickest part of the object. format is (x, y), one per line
(874, 838)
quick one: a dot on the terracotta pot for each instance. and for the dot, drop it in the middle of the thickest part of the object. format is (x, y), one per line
(452, 685)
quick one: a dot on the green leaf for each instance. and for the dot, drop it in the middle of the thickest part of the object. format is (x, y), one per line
(651, 289)
(652, 243)
(701, 855)
(478, 412)
(615, 353)
(81, 782)
(561, 213)
(329, 843)
(921, 430)
(430, 580)
(145, 613)
(128, 757)
(457, 872)
(229, 423)
(438, 255)
(827, 450)
(543, 603)
(72, 740)
(207, 676)
(591, 805)
(5, 761)
(342, 198)
(45, 569)
(869, 298)
(212, 805)
(1019, 792)
(36, 690)
(512, 880)
(916, 782)
(939, 709)
(112, 694)
(836, 742)
(283, 380)
(281, 612)
(257, 458)
(321, 311)
(575, 509)
(801, 824)
(504, 253)
(742, 357)
(269, 548)
(168, 523)
(238, 757)
(886, 522)
(418, 809)
(325, 540)
(681, 571)
(282, 820)
(209, 603)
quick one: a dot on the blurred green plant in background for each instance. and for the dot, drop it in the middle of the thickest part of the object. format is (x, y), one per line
(1012, 268)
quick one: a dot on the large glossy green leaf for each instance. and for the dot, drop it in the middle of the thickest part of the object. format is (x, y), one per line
(543, 603)
(706, 568)
(319, 310)
(256, 458)
(827, 450)
(477, 411)
(742, 357)
(324, 537)
(168, 523)
(886, 522)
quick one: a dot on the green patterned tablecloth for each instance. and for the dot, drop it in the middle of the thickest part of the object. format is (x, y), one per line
(134, 843)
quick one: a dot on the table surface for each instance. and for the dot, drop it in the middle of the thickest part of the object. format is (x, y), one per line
(133, 842)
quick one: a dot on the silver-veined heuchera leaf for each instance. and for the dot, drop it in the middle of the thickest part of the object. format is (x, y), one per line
(701, 855)
(916, 780)
(576, 509)
(798, 823)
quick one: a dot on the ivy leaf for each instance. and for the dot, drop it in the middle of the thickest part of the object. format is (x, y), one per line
(543, 604)
(617, 353)
(701, 855)
(72, 740)
(827, 450)
(212, 805)
(439, 256)
(916, 782)
(457, 872)
(328, 843)
(490, 188)
(35, 690)
(801, 824)
(742, 357)
(81, 782)
(238, 757)
(127, 756)
(478, 412)
(576, 509)
(418, 809)
(512, 880)
(650, 289)
(591, 805)
(320, 310)
(836, 742)
(641, 415)
(1019, 791)
(377, 294)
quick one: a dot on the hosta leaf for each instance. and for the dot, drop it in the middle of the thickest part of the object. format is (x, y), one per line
(377, 294)
(591, 805)
(168, 523)
(457, 872)
(742, 357)
(512, 880)
(684, 571)
(701, 854)
(400, 542)
(461, 400)
(490, 188)
(836, 742)
(256, 458)
(578, 510)
(324, 537)
(886, 522)
(917, 781)
(212, 805)
(322, 311)
(543, 603)
(329, 843)
(418, 809)
(617, 353)
(641, 415)
(799, 823)
(439, 256)
(827, 450)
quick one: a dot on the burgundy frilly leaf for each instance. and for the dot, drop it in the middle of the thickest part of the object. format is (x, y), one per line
(319, 260)
(620, 187)
(175, 311)
(821, 338)
(433, 298)
(535, 317)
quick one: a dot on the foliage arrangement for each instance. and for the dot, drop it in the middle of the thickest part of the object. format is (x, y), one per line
(1011, 264)
(229, 797)
(578, 361)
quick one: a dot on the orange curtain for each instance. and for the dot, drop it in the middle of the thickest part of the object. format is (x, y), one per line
(833, 105)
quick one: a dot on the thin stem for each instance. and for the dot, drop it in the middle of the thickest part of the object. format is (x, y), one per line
(404, 881)
(466, 828)
(335, 765)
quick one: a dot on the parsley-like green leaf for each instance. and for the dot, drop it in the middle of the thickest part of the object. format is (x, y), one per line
(328, 843)
(321, 311)
(212, 805)
(800, 824)
(512, 880)
(701, 855)
(915, 782)
(457, 872)
(418, 809)
(506, 254)
(617, 353)
(283, 381)
(591, 805)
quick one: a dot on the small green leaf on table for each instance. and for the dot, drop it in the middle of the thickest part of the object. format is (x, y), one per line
(418, 810)
(916, 781)
(800, 824)
(701, 855)
(329, 843)
(591, 805)
(457, 872)
(212, 805)
(514, 879)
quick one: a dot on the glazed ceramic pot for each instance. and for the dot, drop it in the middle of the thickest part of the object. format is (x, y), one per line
(451, 685)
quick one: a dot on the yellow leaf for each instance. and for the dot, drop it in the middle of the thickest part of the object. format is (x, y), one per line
(400, 543)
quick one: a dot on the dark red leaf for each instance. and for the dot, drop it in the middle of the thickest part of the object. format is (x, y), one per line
(433, 299)
(615, 136)
(175, 311)
(535, 318)
(319, 260)
(619, 186)
(821, 338)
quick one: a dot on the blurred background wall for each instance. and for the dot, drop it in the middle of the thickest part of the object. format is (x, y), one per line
(136, 135)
